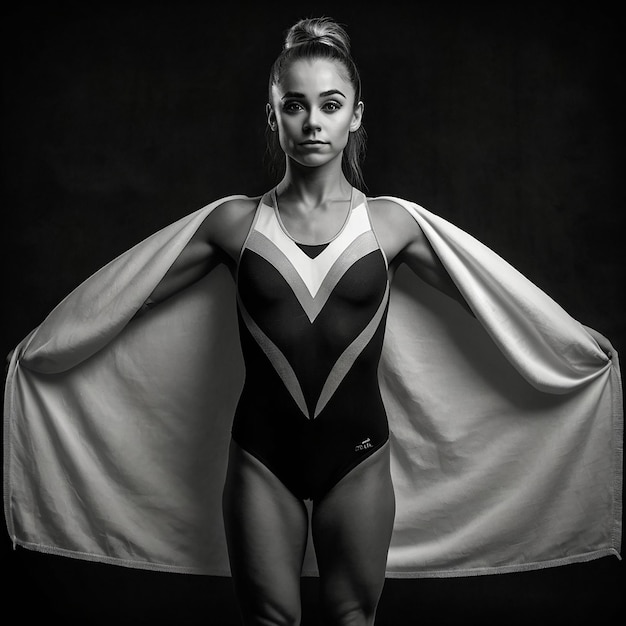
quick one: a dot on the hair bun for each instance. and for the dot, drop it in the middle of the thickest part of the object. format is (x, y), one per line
(321, 29)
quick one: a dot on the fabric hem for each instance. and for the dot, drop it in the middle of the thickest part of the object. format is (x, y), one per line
(119, 562)
(8, 518)
(618, 451)
(460, 573)
(509, 569)
(7, 424)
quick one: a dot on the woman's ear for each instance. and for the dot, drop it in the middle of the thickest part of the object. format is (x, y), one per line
(357, 116)
(271, 116)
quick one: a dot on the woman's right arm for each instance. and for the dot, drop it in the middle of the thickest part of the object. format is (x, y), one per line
(217, 240)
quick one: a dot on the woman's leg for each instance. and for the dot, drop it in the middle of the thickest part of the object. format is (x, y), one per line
(266, 532)
(351, 529)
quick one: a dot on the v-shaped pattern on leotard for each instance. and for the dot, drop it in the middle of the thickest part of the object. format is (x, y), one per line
(312, 281)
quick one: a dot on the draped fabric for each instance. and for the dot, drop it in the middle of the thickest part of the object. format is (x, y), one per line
(506, 427)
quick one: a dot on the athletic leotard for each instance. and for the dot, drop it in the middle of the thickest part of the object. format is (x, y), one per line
(311, 323)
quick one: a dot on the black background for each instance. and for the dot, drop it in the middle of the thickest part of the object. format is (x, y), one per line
(505, 118)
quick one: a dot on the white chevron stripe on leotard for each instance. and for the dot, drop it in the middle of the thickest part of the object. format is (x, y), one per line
(312, 305)
(312, 271)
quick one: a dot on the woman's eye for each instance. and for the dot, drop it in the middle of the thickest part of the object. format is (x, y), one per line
(292, 107)
(331, 106)
(295, 107)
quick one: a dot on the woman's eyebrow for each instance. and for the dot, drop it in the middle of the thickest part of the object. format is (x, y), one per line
(323, 94)
(331, 92)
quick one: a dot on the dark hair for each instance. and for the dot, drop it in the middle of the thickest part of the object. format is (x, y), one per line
(320, 38)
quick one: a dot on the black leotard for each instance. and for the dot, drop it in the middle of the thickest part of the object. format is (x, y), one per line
(311, 321)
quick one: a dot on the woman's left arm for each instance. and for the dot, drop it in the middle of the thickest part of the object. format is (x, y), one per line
(420, 257)
(404, 242)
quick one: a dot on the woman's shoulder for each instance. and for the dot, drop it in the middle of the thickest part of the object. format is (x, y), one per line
(386, 203)
(393, 224)
(390, 210)
(233, 209)
(237, 205)
(230, 217)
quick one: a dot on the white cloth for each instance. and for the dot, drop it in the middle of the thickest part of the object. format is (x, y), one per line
(506, 428)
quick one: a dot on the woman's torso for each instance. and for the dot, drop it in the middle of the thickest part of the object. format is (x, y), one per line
(312, 323)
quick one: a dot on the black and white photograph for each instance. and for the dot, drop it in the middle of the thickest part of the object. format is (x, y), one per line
(313, 313)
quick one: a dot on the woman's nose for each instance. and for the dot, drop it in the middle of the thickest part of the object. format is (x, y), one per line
(311, 123)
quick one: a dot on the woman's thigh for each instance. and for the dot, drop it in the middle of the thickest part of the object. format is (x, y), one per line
(266, 531)
(351, 529)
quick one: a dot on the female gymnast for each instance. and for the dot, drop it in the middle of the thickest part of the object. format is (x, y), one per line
(309, 424)
(312, 262)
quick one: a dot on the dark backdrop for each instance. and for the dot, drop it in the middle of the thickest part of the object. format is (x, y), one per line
(505, 118)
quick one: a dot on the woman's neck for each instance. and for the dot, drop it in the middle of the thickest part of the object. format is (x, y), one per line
(314, 186)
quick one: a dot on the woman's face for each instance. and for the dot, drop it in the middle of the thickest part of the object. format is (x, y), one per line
(313, 111)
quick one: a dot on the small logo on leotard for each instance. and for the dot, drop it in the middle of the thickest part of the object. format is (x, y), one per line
(364, 445)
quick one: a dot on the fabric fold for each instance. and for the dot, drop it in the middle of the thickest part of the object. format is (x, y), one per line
(98, 309)
(549, 348)
(506, 428)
